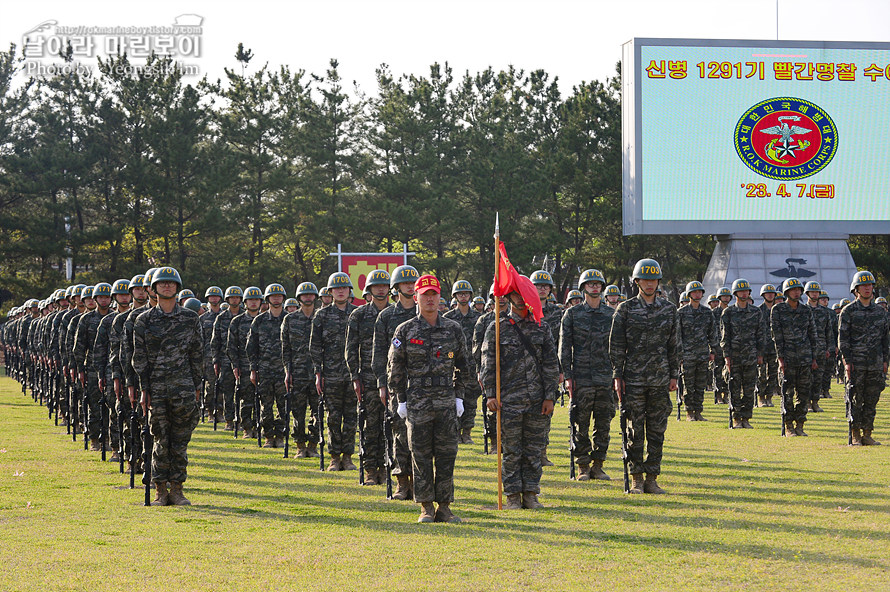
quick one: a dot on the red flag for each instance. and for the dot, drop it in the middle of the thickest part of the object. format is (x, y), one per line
(509, 280)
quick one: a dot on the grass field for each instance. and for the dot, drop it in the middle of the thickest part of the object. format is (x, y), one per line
(746, 510)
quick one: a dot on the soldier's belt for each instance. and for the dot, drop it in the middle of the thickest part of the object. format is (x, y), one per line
(430, 381)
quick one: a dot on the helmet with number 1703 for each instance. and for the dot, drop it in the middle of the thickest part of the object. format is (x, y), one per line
(647, 269)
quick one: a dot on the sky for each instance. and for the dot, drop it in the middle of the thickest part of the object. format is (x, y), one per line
(574, 41)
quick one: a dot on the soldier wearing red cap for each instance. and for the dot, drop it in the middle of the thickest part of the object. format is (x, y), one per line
(426, 369)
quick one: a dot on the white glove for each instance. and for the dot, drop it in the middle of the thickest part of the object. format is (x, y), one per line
(459, 403)
(402, 410)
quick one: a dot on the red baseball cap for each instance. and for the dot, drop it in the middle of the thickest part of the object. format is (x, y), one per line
(425, 283)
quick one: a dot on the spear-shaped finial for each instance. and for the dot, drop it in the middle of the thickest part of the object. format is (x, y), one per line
(497, 225)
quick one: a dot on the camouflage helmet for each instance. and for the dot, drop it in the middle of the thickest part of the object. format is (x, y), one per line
(121, 286)
(551, 298)
(443, 301)
(822, 294)
(790, 284)
(478, 300)
(573, 294)
(87, 292)
(193, 304)
(812, 286)
(861, 278)
(491, 291)
(137, 281)
(712, 298)
(542, 277)
(591, 275)
(835, 306)
(378, 277)
(461, 286)
(767, 289)
(647, 269)
(403, 273)
(845, 302)
(59, 295)
(253, 293)
(740, 284)
(233, 291)
(185, 293)
(78, 290)
(612, 290)
(307, 288)
(166, 274)
(68, 291)
(273, 290)
(723, 292)
(291, 302)
(693, 286)
(452, 303)
(880, 300)
(780, 296)
(324, 291)
(213, 291)
(33, 303)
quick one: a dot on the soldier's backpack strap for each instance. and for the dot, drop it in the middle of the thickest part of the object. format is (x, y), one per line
(528, 347)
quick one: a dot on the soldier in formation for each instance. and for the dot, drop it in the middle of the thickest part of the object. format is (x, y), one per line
(698, 338)
(584, 357)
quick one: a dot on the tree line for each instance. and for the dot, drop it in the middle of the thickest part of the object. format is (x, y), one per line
(256, 177)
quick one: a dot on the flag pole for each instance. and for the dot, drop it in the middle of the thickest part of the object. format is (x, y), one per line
(497, 358)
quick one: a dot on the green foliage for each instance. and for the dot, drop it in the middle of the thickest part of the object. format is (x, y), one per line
(256, 178)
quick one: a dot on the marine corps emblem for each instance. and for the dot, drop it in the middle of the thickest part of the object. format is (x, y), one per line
(786, 138)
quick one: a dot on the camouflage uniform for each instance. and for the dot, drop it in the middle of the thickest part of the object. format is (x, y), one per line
(236, 349)
(823, 319)
(796, 343)
(426, 368)
(295, 331)
(116, 363)
(863, 341)
(207, 321)
(123, 324)
(524, 388)
(698, 337)
(720, 385)
(102, 364)
(389, 318)
(471, 386)
(168, 360)
(264, 355)
(83, 351)
(584, 356)
(645, 352)
(831, 362)
(741, 339)
(768, 373)
(218, 356)
(327, 348)
(359, 348)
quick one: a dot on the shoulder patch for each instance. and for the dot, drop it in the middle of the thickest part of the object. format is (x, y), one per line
(396, 343)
